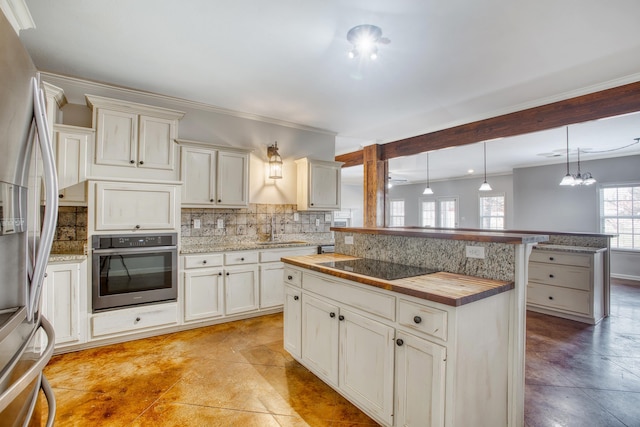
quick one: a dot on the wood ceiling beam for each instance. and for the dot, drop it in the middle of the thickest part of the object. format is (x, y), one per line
(606, 103)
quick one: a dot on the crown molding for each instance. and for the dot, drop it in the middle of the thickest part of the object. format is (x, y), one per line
(17, 14)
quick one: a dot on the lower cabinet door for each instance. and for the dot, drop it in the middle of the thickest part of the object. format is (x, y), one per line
(61, 299)
(241, 289)
(203, 294)
(420, 382)
(271, 285)
(293, 321)
(320, 338)
(366, 363)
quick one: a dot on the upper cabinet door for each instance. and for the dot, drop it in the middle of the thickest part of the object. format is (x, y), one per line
(156, 146)
(198, 176)
(117, 138)
(318, 185)
(233, 179)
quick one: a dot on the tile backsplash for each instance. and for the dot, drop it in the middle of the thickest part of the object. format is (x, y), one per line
(71, 231)
(254, 222)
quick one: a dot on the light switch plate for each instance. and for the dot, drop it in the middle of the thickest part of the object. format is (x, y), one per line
(317, 222)
(296, 216)
(327, 217)
(475, 252)
(220, 223)
(196, 223)
(348, 240)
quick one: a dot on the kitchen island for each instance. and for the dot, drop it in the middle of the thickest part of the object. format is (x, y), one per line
(439, 349)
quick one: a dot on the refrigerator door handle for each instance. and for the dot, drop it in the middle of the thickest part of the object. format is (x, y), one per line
(51, 401)
(51, 201)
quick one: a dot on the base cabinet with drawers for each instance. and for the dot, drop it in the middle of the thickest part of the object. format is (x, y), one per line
(567, 284)
(402, 360)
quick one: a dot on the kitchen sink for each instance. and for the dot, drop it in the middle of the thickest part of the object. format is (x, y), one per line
(286, 242)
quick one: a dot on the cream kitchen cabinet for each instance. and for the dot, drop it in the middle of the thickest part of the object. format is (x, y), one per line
(567, 284)
(214, 176)
(318, 184)
(64, 298)
(71, 146)
(272, 271)
(293, 321)
(241, 289)
(121, 206)
(133, 140)
(203, 294)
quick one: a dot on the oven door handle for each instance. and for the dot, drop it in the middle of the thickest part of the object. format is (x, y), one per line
(131, 251)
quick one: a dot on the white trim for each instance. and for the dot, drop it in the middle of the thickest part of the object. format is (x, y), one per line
(89, 86)
(17, 14)
(492, 194)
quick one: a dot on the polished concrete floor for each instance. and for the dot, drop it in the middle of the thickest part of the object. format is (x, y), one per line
(237, 374)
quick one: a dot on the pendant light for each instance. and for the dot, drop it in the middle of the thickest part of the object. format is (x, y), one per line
(568, 178)
(275, 162)
(485, 185)
(428, 189)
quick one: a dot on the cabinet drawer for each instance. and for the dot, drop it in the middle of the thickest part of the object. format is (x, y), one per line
(551, 257)
(560, 275)
(365, 299)
(428, 320)
(293, 277)
(238, 258)
(133, 319)
(559, 298)
(207, 260)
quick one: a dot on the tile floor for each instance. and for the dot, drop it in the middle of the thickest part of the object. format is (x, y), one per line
(237, 374)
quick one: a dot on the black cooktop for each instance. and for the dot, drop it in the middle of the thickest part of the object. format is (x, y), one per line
(380, 269)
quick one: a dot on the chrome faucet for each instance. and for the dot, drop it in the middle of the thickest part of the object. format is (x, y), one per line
(273, 228)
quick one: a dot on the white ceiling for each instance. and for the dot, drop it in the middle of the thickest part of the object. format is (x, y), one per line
(448, 63)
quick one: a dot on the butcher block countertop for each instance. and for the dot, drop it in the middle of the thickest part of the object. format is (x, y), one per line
(442, 287)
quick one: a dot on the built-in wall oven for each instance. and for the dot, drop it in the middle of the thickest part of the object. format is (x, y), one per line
(132, 269)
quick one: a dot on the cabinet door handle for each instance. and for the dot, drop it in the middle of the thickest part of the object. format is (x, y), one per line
(296, 297)
(211, 200)
(141, 162)
(310, 204)
(137, 227)
(399, 342)
(241, 259)
(551, 275)
(551, 298)
(289, 277)
(219, 200)
(60, 196)
(417, 319)
(132, 161)
(137, 319)
(341, 317)
(204, 261)
(332, 315)
(220, 273)
(227, 273)
(551, 258)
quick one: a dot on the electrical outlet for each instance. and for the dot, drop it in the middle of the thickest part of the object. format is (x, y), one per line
(348, 240)
(196, 223)
(317, 222)
(220, 223)
(475, 252)
(296, 216)
(327, 217)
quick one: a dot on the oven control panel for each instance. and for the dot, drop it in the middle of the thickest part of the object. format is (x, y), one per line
(134, 240)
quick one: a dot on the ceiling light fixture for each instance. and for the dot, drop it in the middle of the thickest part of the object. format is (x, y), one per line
(428, 189)
(365, 39)
(485, 185)
(275, 162)
(568, 178)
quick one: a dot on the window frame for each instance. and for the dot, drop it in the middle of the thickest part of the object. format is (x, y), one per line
(391, 216)
(504, 210)
(439, 201)
(433, 200)
(602, 217)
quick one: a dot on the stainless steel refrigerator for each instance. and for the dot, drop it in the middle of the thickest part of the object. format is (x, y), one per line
(26, 233)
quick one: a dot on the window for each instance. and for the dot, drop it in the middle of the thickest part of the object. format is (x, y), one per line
(620, 215)
(396, 213)
(492, 212)
(448, 212)
(428, 213)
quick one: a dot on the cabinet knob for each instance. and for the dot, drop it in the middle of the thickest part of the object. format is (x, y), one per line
(132, 161)
(551, 298)
(417, 319)
(141, 162)
(341, 317)
(296, 297)
(332, 315)
(137, 227)
(219, 200)
(289, 277)
(399, 342)
(137, 319)
(241, 259)
(551, 275)
(204, 261)
(551, 258)
(220, 273)
(60, 196)
(310, 204)
(211, 200)
(227, 273)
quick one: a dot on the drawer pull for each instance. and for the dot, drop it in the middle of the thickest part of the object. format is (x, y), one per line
(296, 297)
(204, 261)
(141, 162)
(417, 319)
(341, 317)
(551, 275)
(132, 161)
(241, 259)
(227, 273)
(137, 319)
(551, 298)
(220, 273)
(332, 315)
(551, 258)
(289, 277)
(211, 200)
(399, 342)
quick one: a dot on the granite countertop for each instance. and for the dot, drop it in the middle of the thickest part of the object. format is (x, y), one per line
(244, 246)
(66, 257)
(446, 288)
(567, 248)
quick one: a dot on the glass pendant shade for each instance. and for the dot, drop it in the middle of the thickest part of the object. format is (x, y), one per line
(275, 162)
(428, 189)
(568, 180)
(485, 185)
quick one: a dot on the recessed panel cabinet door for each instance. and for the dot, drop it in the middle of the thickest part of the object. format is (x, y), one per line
(61, 301)
(241, 289)
(320, 338)
(233, 176)
(420, 382)
(203, 294)
(116, 138)
(366, 363)
(198, 176)
(324, 182)
(293, 321)
(271, 285)
(156, 147)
